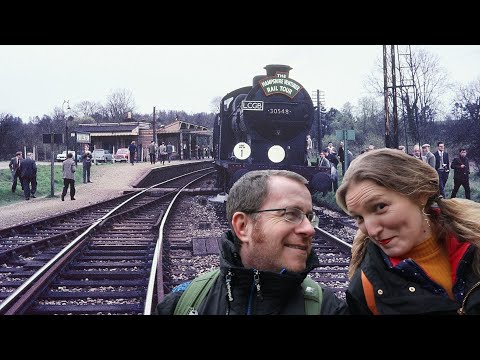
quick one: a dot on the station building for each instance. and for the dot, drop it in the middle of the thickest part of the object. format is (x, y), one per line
(185, 137)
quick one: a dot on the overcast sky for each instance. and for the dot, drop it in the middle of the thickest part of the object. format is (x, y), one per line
(37, 78)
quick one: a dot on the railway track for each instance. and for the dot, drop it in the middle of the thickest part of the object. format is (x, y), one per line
(104, 270)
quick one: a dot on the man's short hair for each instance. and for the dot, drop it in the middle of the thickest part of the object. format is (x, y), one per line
(18, 153)
(69, 155)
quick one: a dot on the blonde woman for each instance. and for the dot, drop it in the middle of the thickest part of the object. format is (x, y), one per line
(415, 252)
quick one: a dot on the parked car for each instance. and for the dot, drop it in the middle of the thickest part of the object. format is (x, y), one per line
(63, 155)
(121, 155)
(102, 155)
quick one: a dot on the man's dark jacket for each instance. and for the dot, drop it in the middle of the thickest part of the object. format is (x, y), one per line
(279, 294)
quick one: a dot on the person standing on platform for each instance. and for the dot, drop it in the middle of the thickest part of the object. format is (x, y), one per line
(28, 175)
(132, 148)
(341, 156)
(87, 164)
(442, 165)
(169, 151)
(461, 171)
(152, 151)
(69, 168)
(15, 170)
(427, 156)
(309, 149)
(162, 153)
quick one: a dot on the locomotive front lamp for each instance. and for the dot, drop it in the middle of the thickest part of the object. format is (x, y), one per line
(276, 154)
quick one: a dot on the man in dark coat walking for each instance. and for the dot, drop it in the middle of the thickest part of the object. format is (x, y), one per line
(28, 174)
(132, 148)
(461, 170)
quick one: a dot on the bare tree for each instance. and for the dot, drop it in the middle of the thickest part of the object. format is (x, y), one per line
(464, 127)
(87, 109)
(215, 104)
(119, 103)
(422, 107)
(468, 100)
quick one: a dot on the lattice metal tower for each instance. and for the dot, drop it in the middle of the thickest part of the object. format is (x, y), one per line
(399, 83)
(408, 92)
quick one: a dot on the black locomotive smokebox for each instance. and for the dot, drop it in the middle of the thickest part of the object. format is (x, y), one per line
(321, 182)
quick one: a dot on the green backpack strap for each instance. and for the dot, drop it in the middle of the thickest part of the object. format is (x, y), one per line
(194, 294)
(312, 292)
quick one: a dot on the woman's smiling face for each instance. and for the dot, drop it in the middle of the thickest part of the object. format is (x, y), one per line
(392, 221)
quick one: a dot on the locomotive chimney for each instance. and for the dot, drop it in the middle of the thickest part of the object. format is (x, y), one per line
(274, 68)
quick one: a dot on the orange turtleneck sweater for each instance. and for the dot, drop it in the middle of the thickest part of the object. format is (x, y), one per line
(433, 259)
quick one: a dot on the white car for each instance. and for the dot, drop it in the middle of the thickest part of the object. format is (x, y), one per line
(102, 155)
(63, 155)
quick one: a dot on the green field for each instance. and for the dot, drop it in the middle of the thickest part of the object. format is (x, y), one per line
(43, 183)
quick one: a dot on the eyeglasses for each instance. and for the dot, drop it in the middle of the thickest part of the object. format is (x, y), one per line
(292, 215)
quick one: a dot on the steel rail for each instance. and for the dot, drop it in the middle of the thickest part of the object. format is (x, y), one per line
(19, 295)
(156, 263)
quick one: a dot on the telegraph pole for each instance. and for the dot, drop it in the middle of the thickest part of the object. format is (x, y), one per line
(319, 123)
(154, 135)
(385, 98)
(394, 98)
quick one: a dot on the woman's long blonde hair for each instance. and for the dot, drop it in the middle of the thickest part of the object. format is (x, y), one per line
(414, 179)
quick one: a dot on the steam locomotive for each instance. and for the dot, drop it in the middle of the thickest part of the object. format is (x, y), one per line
(264, 126)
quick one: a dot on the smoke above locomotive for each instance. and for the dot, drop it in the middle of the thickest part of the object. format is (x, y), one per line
(264, 126)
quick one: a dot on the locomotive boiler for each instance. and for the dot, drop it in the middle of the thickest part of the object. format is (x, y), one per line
(264, 126)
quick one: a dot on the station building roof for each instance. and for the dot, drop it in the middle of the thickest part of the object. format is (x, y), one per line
(180, 126)
(132, 128)
(112, 129)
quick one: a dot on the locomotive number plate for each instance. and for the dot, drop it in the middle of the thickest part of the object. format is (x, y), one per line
(279, 111)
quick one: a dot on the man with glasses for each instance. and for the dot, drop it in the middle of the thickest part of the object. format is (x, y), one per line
(267, 254)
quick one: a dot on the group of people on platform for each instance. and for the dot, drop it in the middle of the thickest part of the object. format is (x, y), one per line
(415, 252)
(329, 157)
(164, 152)
(439, 160)
(25, 172)
(161, 152)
